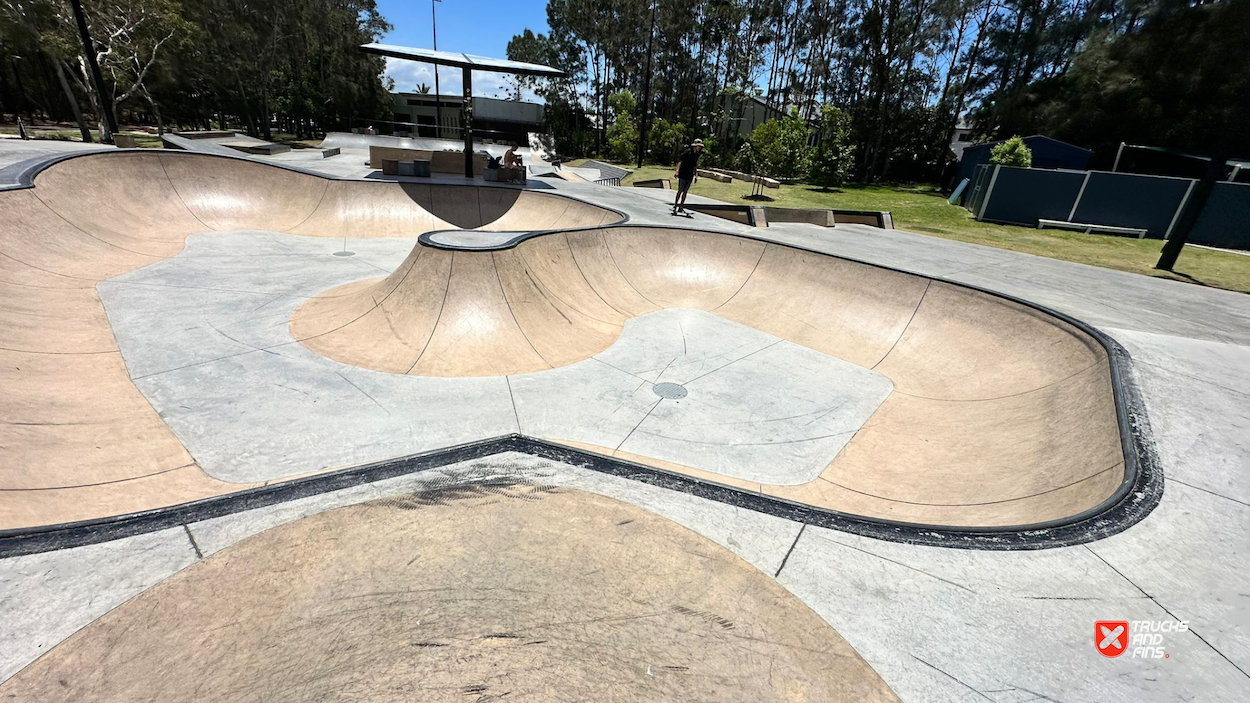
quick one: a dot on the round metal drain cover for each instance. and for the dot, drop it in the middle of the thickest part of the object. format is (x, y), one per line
(344, 253)
(672, 391)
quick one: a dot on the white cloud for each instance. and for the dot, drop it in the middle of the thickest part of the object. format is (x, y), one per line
(409, 74)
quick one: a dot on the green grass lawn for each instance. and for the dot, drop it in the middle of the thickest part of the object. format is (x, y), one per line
(924, 210)
(142, 139)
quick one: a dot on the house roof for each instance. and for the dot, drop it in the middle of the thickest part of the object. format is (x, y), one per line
(1034, 137)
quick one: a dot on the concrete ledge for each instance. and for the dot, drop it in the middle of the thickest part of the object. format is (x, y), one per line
(761, 215)
(663, 183)
(718, 177)
(379, 154)
(753, 215)
(812, 216)
(219, 134)
(732, 174)
(828, 218)
(258, 147)
(749, 178)
(451, 161)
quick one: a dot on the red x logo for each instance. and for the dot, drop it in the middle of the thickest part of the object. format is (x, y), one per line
(1111, 637)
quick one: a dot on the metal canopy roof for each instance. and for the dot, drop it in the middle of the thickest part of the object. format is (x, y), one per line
(469, 61)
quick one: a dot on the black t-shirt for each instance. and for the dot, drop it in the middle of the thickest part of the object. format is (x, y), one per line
(687, 163)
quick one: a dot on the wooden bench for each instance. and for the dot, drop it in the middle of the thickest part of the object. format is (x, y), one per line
(1088, 228)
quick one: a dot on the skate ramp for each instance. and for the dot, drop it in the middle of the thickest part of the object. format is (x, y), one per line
(999, 415)
(77, 439)
(994, 414)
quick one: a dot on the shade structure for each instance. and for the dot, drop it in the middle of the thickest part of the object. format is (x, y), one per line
(467, 63)
(459, 60)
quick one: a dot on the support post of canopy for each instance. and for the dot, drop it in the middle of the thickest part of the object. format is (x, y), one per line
(466, 121)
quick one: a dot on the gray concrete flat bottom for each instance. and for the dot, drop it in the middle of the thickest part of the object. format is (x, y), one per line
(211, 323)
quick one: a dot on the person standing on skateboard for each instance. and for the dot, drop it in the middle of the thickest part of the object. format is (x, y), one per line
(686, 172)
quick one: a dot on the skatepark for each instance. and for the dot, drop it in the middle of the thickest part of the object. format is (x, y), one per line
(266, 396)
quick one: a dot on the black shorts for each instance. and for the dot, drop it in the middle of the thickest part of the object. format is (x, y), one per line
(683, 184)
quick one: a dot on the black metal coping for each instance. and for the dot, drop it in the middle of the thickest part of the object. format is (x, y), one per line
(1139, 492)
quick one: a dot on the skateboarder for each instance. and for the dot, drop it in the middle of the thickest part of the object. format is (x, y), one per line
(686, 173)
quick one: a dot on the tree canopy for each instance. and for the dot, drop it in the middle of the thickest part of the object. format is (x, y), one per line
(901, 74)
(290, 63)
(1171, 73)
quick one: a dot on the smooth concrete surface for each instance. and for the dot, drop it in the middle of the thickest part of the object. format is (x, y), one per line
(49, 596)
(765, 414)
(936, 624)
(1001, 415)
(14, 150)
(759, 409)
(490, 590)
(72, 449)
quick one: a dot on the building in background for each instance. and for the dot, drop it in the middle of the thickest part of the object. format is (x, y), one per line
(1047, 153)
(746, 112)
(494, 119)
(964, 136)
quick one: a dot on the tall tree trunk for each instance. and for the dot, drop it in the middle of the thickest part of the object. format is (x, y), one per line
(96, 100)
(247, 110)
(73, 101)
(156, 112)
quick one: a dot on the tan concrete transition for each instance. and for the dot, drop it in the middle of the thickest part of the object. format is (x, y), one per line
(1001, 415)
(511, 592)
(77, 439)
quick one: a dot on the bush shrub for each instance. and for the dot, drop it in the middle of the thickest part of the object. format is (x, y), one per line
(835, 155)
(1013, 152)
(666, 141)
(623, 134)
(779, 147)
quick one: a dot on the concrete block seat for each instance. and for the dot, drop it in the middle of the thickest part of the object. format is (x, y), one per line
(766, 368)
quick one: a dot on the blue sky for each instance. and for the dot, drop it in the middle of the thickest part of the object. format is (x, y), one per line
(480, 27)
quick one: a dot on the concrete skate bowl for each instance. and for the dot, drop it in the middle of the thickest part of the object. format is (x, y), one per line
(994, 414)
(788, 381)
(77, 439)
